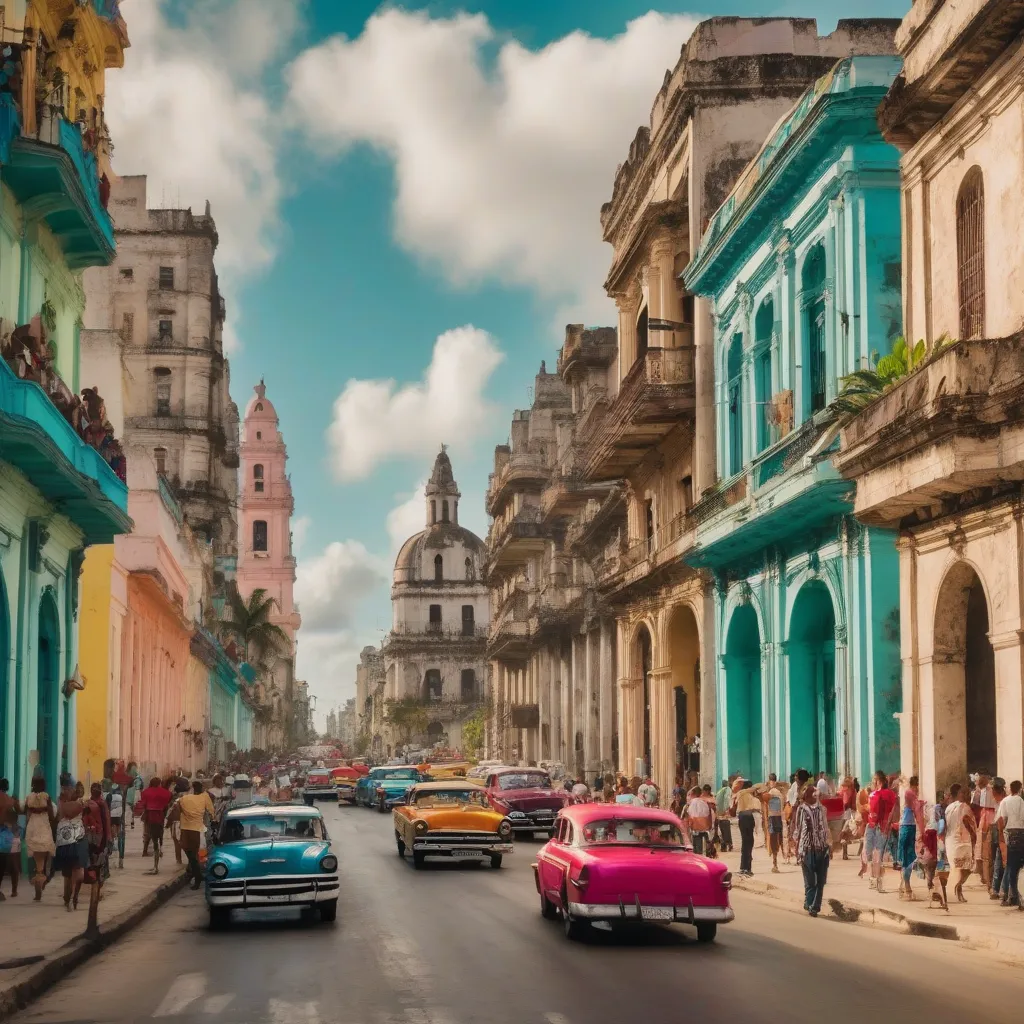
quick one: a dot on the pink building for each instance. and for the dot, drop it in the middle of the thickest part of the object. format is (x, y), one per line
(265, 558)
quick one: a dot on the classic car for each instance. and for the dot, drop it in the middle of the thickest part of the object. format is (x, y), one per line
(319, 784)
(451, 819)
(526, 796)
(615, 862)
(345, 780)
(385, 788)
(271, 856)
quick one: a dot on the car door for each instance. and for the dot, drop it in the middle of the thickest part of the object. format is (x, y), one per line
(549, 862)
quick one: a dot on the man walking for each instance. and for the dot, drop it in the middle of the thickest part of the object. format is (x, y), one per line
(813, 847)
(774, 800)
(1010, 821)
(153, 802)
(191, 811)
(723, 801)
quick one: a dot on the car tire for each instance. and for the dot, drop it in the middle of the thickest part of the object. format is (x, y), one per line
(328, 910)
(400, 843)
(495, 860)
(418, 859)
(547, 909)
(575, 928)
(220, 917)
(706, 931)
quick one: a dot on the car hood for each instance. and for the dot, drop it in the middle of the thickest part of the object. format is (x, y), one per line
(258, 857)
(531, 799)
(459, 819)
(392, 785)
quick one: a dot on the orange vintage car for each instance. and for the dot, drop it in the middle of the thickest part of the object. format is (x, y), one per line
(453, 819)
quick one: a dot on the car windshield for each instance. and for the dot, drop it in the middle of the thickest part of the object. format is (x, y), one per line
(524, 780)
(318, 778)
(266, 826)
(447, 797)
(397, 773)
(632, 832)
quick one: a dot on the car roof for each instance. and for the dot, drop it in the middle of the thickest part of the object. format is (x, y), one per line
(582, 813)
(505, 770)
(272, 809)
(443, 784)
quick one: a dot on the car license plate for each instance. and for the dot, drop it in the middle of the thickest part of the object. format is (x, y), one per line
(277, 898)
(656, 913)
(466, 853)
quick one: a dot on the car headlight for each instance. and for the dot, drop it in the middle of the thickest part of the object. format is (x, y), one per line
(516, 814)
(329, 863)
(505, 829)
(219, 870)
(421, 826)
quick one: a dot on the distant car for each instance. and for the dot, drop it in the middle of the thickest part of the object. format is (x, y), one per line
(526, 796)
(452, 819)
(319, 785)
(385, 788)
(271, 856)
(615, 862)
(345, 780)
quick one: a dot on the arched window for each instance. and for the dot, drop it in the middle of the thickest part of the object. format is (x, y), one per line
(444, 512)
(433, 512)
(970, 253)
(469, 568)
(641, 334)
(162, 380)
(259, 535)
(438, 568)
(813, 286)
(259, 407)
(257, 478)
(468, 622)
(764, 324)
(468, 684)
(734, 400)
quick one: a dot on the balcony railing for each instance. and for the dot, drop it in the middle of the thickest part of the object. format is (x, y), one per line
(522, 468)
(439, 631)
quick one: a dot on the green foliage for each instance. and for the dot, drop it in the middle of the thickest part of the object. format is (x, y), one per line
(473, 729)
(48, 315)
(248, 623)
(408, 716)
(362, 744)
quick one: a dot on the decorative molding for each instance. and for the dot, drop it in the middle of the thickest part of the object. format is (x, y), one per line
(958, 542)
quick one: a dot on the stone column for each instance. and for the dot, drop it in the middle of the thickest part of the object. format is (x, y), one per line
(663, 732)
(1009, 659)
(607, 694)
(704, 445)
(565, 660)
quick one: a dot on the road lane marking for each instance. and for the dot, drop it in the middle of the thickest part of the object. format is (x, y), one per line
(556, 1018)
(218, 1004)
(186, 989)
(288, 1013)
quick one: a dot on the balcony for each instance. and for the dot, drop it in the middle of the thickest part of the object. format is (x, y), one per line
(566, 494)
(667, 547)
(54, 177)
(510, 640)
(70, 471)
(512, 541)
(655, 395)
(179, 424)
(449, 709)
(436, 634)
(521, 471)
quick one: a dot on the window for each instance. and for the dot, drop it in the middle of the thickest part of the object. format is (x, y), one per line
(127, 326)
(734, 399)
(970, 253)
(432, 685)
(434, 625)
(259, 435)
(259, 407)
(641, 334)
(468, 684)
(469, 568)
(444, 512)
(165, 332)
(813, 281)
(688, 306)
(764, 325)
(649, 524)
(127, 274)
(259, 535)
(433, 512)
(167, 278)
(686, 492)
(467, 620)
(257, 478)
(160, 457)
(162, 377)
(438, 568)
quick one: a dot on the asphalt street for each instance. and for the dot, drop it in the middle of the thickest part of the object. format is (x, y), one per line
(455, 944)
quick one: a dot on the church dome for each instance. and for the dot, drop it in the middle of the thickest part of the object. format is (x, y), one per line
(260, 407)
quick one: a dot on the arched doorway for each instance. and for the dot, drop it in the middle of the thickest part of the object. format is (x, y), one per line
(643, 643)
(684, 658)
(812, 681)
(48, 688)
(744, 745)
(435, 733)
(963, 679)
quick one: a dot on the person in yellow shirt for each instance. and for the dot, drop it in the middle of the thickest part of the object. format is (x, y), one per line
(192, 810)
(748, 801)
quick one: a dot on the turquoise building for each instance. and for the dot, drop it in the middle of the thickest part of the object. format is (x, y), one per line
(231, 714)
(802, 267)
(58, 490)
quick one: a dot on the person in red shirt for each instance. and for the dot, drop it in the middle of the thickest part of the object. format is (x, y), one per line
(881, 807)
(153, 803)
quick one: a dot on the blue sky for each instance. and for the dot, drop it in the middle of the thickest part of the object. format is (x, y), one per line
(381, 177)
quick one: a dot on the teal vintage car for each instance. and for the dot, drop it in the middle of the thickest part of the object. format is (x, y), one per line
(385, 788)
(274, 856)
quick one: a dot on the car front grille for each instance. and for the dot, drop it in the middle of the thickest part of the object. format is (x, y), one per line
(273, 889)
(457, 838)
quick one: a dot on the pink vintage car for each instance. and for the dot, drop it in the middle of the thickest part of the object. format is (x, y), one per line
(613, 862)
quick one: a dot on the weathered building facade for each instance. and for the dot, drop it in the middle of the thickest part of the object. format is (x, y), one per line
(939, 455)
(435, 654)
(801, 267)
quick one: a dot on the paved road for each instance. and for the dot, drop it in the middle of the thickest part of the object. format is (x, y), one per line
(463, 944)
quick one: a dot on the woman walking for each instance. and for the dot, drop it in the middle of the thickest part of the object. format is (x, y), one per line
(72, 855)
(961, 835)
(911, 827)
(39, 832)
(747, 802)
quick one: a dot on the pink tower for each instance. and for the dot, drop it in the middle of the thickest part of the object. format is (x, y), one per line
(265, 558)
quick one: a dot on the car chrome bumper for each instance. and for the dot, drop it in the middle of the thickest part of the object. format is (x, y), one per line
(273, 891)
(633, 911)
(532, 824)
(443, 849)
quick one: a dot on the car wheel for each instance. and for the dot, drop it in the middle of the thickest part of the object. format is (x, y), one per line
(706, 931)
(547, 909)
(400, 843)
(418, 859)
(328, 910)
(575, 928)
(495, 860)
(220, 917)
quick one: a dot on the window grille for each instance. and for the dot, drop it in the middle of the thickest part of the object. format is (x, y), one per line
(167, 278)
(970, 252)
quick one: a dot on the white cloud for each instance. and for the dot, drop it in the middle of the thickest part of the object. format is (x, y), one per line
(189, 109)
(327, 662)
(408, 518)
(501, 167)
(376, 420)
(300, 530)
(330, 586)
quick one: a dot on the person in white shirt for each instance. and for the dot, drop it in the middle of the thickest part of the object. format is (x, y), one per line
(1010, 822)
(648, 792)
(822, 786)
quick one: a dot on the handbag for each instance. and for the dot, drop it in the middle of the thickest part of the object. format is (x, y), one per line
(69, 831)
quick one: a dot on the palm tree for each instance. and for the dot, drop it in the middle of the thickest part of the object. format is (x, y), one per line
(863, 387)
(249, 623)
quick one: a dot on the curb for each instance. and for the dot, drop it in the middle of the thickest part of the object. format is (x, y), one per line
(75, 952)
(850, 912)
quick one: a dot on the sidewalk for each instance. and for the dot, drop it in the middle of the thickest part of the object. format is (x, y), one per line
(979, 923)
(41, 942)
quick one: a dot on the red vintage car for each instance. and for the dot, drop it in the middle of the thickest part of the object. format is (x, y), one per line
(526, 797)
(614, 863)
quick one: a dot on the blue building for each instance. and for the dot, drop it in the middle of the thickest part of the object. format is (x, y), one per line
(802, 267)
